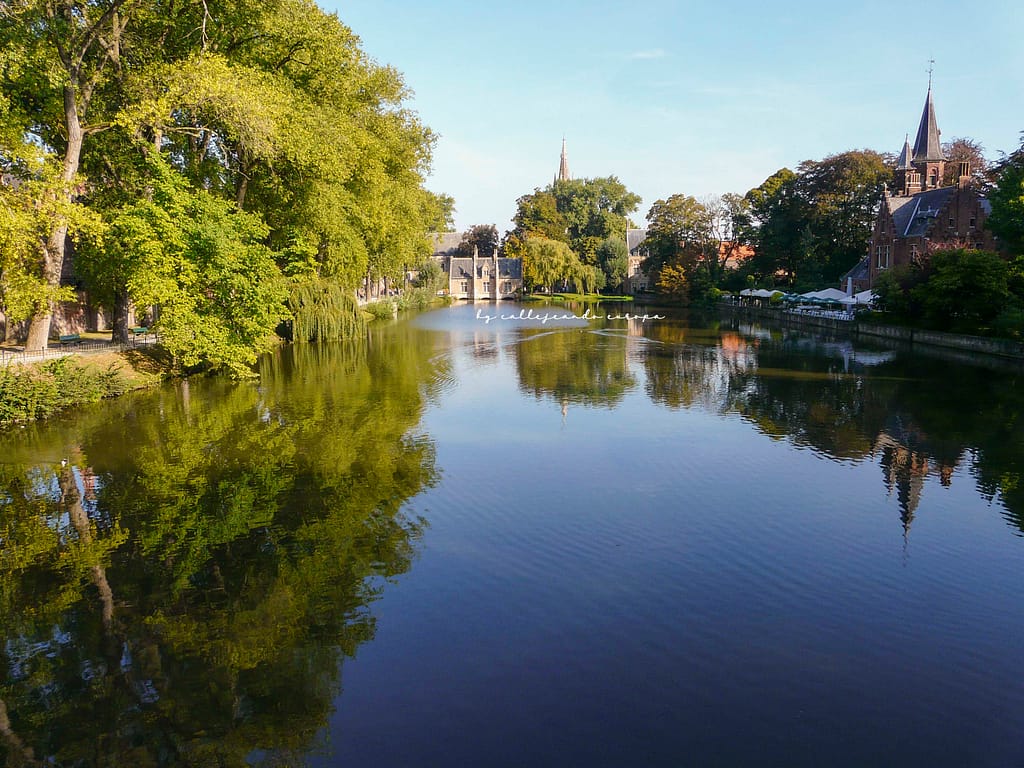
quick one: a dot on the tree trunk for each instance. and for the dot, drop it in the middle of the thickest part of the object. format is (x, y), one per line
(53, 255)
(122, 306)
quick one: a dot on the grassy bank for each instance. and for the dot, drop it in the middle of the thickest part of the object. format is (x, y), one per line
(37, 390)
(584, 297)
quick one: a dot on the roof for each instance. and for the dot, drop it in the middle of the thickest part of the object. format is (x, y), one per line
(913, 216)
(861, 271)
(444, 242)
(928, 145)
(512, 268)
(634, 237)
(460, 267)
(906, 161)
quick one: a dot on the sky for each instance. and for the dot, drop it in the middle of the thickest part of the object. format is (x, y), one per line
(692, 98)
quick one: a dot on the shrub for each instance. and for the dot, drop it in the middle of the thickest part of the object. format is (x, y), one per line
(28, 393)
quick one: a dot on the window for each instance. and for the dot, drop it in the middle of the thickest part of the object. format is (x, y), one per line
(913, 252)
(465, 286)
(973, 222)
(882, 256)
(952, 221)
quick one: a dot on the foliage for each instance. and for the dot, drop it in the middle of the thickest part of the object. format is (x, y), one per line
(960, 290)
(967, 150)
(268, 107)
(613, 259)
(1007, 198)
(381, 310)
(583, 213)
(551, 264)
(322, 310)
(35, 392)
(673, 282)
(36, 198)
(813, 225)
(203, 262)
(482, 238)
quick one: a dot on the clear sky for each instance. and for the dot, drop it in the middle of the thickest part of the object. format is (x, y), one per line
(696, 97)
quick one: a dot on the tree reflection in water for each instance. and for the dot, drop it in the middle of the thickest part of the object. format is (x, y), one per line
(182, 575)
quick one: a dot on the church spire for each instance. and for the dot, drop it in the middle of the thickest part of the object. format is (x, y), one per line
(927, 147)
(563, 165)
(905, 163)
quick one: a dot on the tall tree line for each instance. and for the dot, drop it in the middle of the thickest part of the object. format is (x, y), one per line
(206, 156)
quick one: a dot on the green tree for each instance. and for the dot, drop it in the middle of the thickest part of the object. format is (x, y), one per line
(778, 215)
(613, 259)
(483, 238)
(1007, 198)
(841, 194)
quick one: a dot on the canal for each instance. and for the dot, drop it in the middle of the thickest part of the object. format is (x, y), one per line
(482, 538)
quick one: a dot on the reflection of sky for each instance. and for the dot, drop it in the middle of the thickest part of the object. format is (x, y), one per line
(643, 580)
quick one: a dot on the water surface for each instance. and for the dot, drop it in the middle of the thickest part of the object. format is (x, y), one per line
(514, 543)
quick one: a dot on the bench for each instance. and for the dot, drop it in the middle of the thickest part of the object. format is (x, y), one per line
(71, 338)
(139, 331)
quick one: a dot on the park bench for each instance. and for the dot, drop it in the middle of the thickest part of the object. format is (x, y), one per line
(70, 338)
(139, 331)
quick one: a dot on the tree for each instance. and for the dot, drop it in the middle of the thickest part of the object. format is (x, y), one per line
(481, 238)
(1007, 198)
(813, 225)
(841, 194)
(273, 107)
(613, 259)
(62, 55)
(673, 281)
(965, 289)
(966, 150)
(778, 215)
(677, 231)
(583, 213)
(551, 264)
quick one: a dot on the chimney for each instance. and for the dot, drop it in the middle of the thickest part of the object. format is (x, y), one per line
(964, 177)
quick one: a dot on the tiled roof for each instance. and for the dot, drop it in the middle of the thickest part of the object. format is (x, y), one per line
(928, 145)
(445, 242)
(860, 272)
(906, 161)
(913, 216)
(634, 237)
(461, 267)
(512, 268)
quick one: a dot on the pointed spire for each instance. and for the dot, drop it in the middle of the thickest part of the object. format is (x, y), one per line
(906, 161)
(928, 146)
(563, 166)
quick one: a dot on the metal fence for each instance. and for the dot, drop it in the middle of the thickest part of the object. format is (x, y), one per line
(14, 355)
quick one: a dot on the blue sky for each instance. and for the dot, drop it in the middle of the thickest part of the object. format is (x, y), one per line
(685, 97)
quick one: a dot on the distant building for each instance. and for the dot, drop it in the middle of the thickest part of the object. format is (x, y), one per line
(563, 166)
(483, 278)
(476, 278)
(637, 280)
(919, 215)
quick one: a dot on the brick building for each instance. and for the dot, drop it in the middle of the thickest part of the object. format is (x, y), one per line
(919, 215)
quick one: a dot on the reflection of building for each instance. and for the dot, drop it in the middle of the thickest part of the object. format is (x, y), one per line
(481, 278)
(905, 467)
(921, 215)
